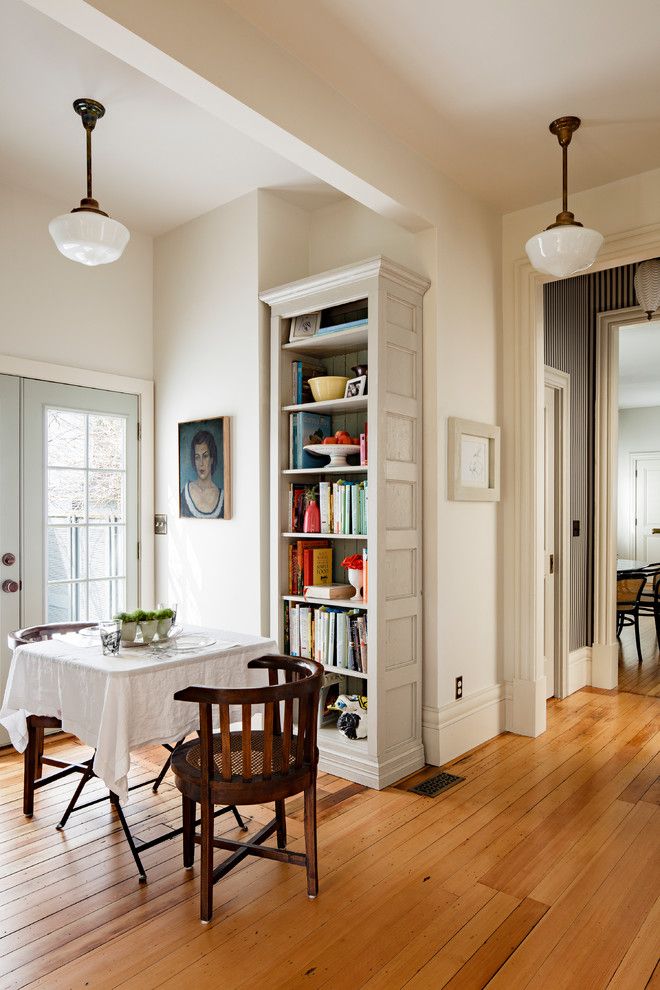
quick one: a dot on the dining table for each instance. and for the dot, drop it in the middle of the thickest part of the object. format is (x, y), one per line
(117, 704)
(623, 564)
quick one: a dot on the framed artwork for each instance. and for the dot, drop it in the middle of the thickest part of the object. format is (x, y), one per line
(304, 326)
(205, 469)
(473, 461)
(355, 387)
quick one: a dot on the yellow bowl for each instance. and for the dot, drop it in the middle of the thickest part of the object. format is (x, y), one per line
(328, 387)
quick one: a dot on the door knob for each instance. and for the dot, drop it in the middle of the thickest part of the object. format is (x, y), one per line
(11, 586)
(8, 559)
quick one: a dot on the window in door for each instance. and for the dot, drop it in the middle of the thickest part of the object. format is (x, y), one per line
(86, 493)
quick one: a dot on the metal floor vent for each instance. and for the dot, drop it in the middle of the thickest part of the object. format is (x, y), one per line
(436, 785)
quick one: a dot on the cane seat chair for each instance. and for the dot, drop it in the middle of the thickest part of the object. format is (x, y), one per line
(33, 757)
(629, 588)
(648, 601)
(250, 766)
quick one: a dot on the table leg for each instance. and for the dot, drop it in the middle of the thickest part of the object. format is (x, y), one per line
(129, 838)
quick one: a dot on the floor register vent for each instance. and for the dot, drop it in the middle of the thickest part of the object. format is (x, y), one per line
(436, 785)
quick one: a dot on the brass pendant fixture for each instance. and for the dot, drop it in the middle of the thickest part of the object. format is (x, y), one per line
(87, 234)
(565, 247)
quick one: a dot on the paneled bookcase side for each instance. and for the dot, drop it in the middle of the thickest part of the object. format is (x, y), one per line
(391, 345)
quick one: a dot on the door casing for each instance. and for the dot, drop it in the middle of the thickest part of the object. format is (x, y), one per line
(560, 383)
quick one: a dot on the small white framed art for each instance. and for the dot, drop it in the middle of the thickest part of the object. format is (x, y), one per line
(304, 326)
(473, 461)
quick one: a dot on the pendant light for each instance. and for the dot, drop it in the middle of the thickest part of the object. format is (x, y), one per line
(647, 286)
(565, 247)
(87, 234)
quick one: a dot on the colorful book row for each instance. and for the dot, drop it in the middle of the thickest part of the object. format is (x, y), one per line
(310, 563)
(343, 506)
(332, 636)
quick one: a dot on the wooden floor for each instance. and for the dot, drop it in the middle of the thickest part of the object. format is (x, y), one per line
(644, 677)
(540, 870)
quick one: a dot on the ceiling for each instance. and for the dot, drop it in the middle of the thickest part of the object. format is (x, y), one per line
(158, 160)
(639, 365)
(473, 86)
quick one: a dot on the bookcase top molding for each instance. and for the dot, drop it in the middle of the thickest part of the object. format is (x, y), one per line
(283, 295)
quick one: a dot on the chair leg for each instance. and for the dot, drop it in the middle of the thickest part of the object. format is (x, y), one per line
(639, 645)
(39, 752)
(239, 819)
(280, 816)
(188, 814)
(310, 841)
(206, 878)
(29, 764)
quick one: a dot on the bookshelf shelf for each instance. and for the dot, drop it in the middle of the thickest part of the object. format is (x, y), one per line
(327, 344)
(338, 602)
(358, 404)
(325, 536)
(389, 628)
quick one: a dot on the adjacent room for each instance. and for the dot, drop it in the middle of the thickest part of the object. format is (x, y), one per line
(329, 495)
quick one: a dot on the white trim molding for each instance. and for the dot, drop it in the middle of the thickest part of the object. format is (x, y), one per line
(458, 726)
(522, 482)
(579, 669)
(560, 382)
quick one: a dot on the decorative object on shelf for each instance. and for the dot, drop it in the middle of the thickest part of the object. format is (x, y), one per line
(328, 387)
(473, 461)
(204, 469)
(337, 452)
(304, 326)
(352, 720)
(361, 371)
(110, 637)
(355, 387)
(354, 565)
(312, 518)
(87, 234)
(647, 285)
(565, 247)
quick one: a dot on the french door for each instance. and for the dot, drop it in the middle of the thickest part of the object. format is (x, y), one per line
(68, 504)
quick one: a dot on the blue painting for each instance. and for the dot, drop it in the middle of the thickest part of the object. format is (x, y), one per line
(204, 469)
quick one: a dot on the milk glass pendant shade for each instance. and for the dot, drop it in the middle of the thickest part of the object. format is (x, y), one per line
(647, 286)
(87, 234)
(566, 247)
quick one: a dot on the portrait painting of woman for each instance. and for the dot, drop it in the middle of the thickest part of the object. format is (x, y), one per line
(204, 476)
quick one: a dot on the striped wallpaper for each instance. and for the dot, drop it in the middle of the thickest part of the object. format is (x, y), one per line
(570, 309)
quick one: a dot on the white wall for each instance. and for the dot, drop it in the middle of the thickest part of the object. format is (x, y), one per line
(639, 432)
(58, 311)
(206, 319)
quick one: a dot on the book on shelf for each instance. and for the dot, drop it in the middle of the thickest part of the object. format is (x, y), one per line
(364, 447)
(301, 372)
(348, 325)
(343, 506)
(365, 574)
(329, 591)
(335, 637)
(307, 428)
(318, 563)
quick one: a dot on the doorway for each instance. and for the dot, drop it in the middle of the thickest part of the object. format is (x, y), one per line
(68, 504)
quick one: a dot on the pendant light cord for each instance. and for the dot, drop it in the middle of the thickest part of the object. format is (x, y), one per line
(88, 133)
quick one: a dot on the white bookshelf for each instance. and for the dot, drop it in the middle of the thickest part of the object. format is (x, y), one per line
(391, 345)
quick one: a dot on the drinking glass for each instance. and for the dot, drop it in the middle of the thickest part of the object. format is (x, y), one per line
(110, 637)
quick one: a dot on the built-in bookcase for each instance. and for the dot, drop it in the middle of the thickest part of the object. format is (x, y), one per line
(391, 345)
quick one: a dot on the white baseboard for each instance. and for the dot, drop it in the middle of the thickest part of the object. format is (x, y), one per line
(455, 728)
(579, 669)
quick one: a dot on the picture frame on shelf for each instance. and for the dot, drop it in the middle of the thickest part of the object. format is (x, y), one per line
(304, 326)
(355, 387)
(205, 469)
(473, 461)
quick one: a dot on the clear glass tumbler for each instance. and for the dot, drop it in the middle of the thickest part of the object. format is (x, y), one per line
(110, 637)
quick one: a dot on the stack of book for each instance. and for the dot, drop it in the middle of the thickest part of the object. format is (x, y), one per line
(332, 636)
(343, 505)
(310, 563)
(301, 372)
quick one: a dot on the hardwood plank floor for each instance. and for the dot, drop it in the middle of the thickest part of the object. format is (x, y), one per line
(644, 677)
(541, 869)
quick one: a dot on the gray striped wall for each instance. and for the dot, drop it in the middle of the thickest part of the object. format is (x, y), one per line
(570, 309)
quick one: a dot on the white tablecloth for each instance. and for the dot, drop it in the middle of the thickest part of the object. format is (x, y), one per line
(116, 704)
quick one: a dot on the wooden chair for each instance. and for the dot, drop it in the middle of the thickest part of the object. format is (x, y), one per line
(33, 757)
(629, 587)
(252, 767)
(648, 597)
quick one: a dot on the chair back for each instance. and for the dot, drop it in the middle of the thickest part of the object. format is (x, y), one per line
(37, 634)
(629, 587)
(281, 751)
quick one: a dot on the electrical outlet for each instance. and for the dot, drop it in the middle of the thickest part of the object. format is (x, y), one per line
(160, 525)
(459, 687)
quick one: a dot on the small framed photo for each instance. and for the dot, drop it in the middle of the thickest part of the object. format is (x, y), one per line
(355, 387)
(473, 461)
(204, 469)
(304, 326)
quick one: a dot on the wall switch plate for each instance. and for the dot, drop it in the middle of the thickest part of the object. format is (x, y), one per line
(160, 525)
(459, 688)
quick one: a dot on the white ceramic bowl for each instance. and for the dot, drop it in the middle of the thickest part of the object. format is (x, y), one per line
(328, 387)
(337, 452)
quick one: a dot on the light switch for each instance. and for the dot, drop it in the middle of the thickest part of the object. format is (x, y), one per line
(160, 525)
